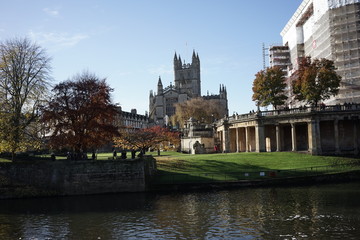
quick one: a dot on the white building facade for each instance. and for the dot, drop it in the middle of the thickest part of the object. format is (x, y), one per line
(328, 29)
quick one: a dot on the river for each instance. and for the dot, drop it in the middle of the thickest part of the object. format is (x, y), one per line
(308, 212)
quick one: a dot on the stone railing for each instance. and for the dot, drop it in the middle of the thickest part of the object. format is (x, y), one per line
(300, 110)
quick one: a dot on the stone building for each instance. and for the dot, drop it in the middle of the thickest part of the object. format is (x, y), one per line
(187, 85)
(322, 130)
(197, 138)
(131, 119)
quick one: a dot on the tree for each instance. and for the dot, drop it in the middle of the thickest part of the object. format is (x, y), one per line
(80, 116)
(316, 80)
(269, 87)
(141, 139)
(24, 80)
(134, 139)
(205, 111)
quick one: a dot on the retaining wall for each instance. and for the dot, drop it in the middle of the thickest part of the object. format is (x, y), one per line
(77, 177)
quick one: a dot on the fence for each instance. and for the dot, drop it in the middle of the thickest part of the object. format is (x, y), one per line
(208, 177)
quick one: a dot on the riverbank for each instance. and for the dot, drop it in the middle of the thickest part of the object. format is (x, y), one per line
(172, 172)
(179, 172)
(184, 168)
(343, 177)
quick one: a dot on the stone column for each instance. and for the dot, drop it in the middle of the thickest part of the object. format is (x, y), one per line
(220, 136)
(336, 136)
(260, 138)
(314, 137)
(226, 137)
(356, 143)
(293, 137)
(247, 139)
(223, 141)
(237, 140)
(278, 139)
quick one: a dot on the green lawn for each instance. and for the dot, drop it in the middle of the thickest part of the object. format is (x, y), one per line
(232, 162)
(175, 167)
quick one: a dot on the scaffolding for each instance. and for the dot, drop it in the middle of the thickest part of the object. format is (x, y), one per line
(331, 31)
(345, 41)
(280, 57)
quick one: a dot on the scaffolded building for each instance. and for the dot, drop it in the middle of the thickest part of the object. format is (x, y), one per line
(279, 56)
(328, 29)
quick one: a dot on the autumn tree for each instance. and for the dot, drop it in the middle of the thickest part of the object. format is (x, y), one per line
(142, 139)
(269, 87)
(80, 115)
(134, 139)
(316, 81)
(205, 111)
(24, 80)
(164, 138)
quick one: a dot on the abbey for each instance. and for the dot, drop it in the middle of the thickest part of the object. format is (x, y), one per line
(187, 86)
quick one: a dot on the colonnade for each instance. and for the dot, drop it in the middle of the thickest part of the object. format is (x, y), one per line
(335, 135)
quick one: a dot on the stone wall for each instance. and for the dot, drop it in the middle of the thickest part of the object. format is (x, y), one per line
(80, 177)
(187, 144)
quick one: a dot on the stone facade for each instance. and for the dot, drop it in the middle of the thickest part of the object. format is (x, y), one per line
(132, 119)
(323, 130)
(197, 138)
(187, 86)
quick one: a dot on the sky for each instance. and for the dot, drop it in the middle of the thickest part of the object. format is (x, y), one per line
(132, 42)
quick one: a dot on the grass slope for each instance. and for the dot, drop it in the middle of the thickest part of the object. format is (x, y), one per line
(235, 162)
(184, 168)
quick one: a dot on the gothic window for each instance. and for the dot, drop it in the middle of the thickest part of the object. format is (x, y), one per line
(170, 108)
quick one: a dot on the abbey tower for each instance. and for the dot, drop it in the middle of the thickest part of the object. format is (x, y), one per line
(187, 86)
(187, 76)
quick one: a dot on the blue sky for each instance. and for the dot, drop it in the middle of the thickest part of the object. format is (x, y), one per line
(132, 42)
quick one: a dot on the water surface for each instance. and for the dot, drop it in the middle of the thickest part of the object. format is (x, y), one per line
(315, 212)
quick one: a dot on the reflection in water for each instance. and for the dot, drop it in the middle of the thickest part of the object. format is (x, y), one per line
(319, 212)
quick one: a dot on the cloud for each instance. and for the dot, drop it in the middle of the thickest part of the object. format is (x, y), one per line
(57, 40)
(51, 12)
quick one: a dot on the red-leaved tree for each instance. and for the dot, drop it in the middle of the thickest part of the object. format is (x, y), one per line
(80, 116)
(317, 80)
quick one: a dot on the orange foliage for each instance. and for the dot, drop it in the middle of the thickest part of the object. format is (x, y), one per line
(142, 139)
